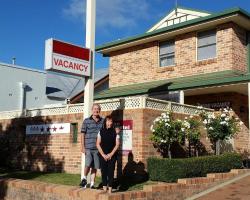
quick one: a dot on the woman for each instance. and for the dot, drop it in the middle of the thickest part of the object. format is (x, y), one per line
(107, 143)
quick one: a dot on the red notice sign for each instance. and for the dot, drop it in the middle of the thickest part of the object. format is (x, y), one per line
(126, 135)
(67, 58)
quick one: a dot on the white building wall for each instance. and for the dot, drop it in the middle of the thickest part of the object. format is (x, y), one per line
(34, 95)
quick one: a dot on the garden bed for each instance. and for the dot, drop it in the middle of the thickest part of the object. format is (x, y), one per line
(63, 179)
(170, 170)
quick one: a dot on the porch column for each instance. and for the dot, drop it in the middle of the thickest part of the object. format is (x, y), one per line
(181, 97)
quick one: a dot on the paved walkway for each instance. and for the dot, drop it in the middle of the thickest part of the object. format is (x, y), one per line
(238, 190)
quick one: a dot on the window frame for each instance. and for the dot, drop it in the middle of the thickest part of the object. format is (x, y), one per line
(74, 127)
(216, 45)
(159, 55)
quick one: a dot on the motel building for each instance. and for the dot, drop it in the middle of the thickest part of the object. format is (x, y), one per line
(190, 58)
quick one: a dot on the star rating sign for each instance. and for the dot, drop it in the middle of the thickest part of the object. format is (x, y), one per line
(48, 128)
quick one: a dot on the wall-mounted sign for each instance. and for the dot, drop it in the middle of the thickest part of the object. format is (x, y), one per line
(126, 134)
(217, 105)
(48, 128)
(67, 58)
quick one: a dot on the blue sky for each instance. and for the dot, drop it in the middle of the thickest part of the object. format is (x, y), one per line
(26, 24)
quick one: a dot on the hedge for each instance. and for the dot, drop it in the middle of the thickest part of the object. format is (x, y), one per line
(169, 170)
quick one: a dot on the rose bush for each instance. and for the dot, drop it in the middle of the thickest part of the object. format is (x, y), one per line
(191, 129)
(166, 131)
(222, 126)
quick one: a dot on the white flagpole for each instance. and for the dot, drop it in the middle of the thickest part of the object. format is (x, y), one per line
(89, 81)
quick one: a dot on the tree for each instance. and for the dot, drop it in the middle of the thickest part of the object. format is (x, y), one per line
(166, 131)
(220, 127)
(191, 128)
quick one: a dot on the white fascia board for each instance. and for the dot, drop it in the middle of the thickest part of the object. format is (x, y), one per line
(180, 12)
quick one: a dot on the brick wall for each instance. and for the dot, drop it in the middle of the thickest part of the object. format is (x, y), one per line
(141, 63)
(239, 104)
(43, 152)
(59, 153)
(239, 48)
(142, 121)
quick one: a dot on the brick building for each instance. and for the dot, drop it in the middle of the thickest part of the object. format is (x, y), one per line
(188, 57)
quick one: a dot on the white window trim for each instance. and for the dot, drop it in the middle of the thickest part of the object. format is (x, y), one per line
(216, 40)
(159, 63)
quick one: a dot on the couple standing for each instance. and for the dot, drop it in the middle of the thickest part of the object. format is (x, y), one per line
(99, 142)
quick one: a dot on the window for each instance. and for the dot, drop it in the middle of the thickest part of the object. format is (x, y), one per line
(167, 53)
(167, 96)
(74, 127)
(206, 45)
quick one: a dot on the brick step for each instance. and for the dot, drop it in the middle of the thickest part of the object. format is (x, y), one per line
(221, 175)
(56, 190)
(239, 171)
(198, 180)
(184, 188)
(212, 177)
(161, 187)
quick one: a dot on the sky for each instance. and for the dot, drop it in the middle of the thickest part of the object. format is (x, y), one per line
(26, 24)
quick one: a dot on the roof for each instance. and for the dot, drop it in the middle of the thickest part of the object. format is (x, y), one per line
(67, 86)
(80, 95)
(180, 83)
(233, 12)
(59, 85)
(178, 15)
(100, 73)
(22, 68)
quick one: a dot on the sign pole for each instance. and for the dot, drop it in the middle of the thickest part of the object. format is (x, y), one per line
(89, 81)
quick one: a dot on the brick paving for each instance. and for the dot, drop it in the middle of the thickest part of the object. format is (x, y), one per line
(239, 190)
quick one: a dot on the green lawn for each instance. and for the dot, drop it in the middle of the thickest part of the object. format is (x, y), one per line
(62, 178)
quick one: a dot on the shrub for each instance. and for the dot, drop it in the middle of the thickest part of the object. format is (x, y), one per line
(169, 170)
(191, 128)
(165, 132)
(220, 127)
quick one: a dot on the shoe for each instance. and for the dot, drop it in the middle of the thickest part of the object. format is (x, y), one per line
(83, 183)
(92, 187)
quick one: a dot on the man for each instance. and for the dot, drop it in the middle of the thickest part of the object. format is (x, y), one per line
(90, 128)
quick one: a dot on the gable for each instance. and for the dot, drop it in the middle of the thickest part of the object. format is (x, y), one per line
(177, 16)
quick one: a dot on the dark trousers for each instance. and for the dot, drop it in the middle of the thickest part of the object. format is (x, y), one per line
(107, 169)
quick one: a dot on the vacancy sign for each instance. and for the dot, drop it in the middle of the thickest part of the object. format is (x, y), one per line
(67, 58)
